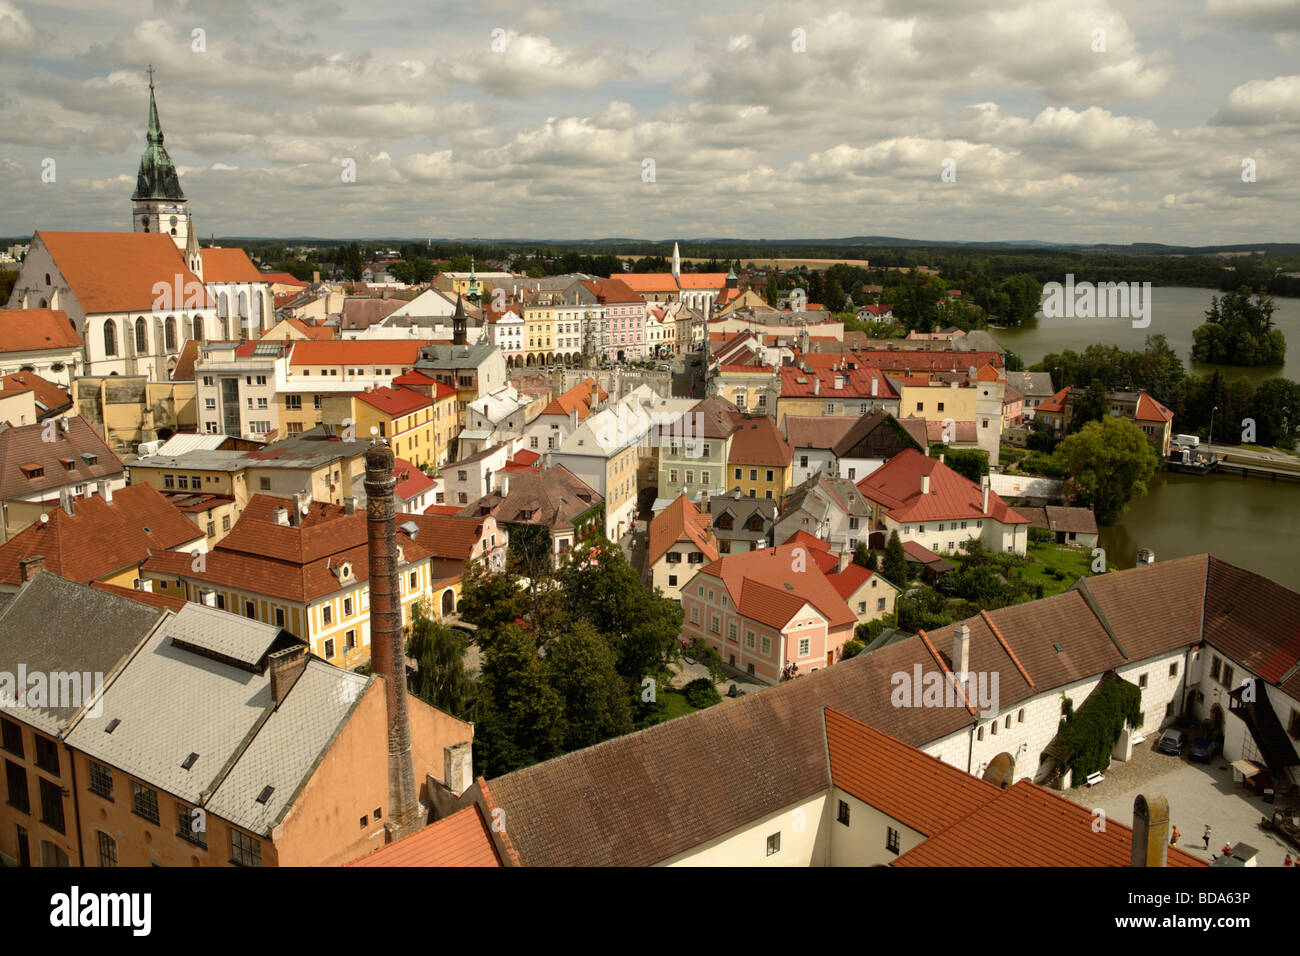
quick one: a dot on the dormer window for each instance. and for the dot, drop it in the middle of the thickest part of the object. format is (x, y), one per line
(32, 471)
(345, 570)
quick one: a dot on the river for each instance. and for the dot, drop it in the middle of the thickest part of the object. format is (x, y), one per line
(1253, 523)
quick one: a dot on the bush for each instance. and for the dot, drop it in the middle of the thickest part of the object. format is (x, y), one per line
(851, 649)
(701, 693)
(868, 631)
(1040, 536)
(1089, 734)
(1044, 465)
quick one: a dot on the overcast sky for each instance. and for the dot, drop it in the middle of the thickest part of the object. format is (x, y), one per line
(548, 134)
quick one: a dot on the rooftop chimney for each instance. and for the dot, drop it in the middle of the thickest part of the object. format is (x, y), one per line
(295, 513)
(387, 649)
(984, 484)
(573, 419)
(66, 501)
(925, 484)
(28, 568)
(286, 666)
(817, 385)
(458, 767)
(875, 386)
(349, 506)
(1150, 830)
(106, 491)
(282, 516)
(315, 276)
(961, 650)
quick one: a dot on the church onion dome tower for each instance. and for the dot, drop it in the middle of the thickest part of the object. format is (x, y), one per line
(158, 204)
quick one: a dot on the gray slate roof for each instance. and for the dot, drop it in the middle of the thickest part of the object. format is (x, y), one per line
(54, 624)
(171, 702)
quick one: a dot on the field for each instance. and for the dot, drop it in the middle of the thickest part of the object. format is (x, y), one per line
(785, 263)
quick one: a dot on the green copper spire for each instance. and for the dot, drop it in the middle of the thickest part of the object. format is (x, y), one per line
(156, 178)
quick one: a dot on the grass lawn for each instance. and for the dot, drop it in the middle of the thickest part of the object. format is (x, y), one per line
(1073, 562)
(675, 704)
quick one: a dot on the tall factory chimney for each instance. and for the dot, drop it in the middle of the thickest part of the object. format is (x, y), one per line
(387, 649)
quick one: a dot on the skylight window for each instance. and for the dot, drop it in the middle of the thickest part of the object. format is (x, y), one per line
(189, 761)
(265, 795)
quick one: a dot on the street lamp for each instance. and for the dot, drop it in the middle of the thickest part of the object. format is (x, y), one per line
(1210, 443)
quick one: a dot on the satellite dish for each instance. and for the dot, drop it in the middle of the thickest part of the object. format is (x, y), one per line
(45, 519)
(374, 429)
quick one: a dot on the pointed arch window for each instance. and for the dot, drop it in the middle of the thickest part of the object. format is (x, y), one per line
(110, 338)
(141, 337)
(198, 328)
(223, 305)
(169, 334)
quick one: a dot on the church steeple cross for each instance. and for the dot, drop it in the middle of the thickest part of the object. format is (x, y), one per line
(150, 72)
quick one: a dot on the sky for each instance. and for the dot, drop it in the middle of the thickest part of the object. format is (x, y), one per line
(1058, 120)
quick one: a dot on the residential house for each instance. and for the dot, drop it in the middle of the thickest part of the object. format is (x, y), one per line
(741, 523)
(927, 502)
(812, 439)
(44, 341)
(834, 391)
(874, 439)
(554, 499)
(680, 542)
(829, 508)
(693, 455)
(300, 567)
(759, 460)
(563, 415)
(45, 464)
(1073, 526)
(46, 399)
(604, 452)
(473, 370)
(1036, 388)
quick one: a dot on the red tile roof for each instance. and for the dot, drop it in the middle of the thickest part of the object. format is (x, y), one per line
(757, 441)
(445, 535)
(101, 539)
(850, 579)
(461, 839)
(925, 361)
(897, 486)
(184, 370)
(283, 278)
(116, 271)
(1056, 403)
(25, 445)
(395, 402)
(229, 265)
(614, 291)
(361, 312)
(766, 586)
(32, 330)
(357, 352)
(702, 280)
(854, 383)
(1028, 825)
(681, 523)
(579, 398)
(914, 788)
(643, 282)
(410, 479)
(1149, 410)
(46, 393)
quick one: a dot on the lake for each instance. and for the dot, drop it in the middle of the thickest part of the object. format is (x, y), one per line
(1175, 312)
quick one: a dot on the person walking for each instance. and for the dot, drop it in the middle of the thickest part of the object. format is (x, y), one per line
(1288, 861)
(1173, 840)
(1206, 838)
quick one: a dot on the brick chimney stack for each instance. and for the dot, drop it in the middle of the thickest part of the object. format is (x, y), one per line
(286, 667)
(1150, 830)
(387, 649)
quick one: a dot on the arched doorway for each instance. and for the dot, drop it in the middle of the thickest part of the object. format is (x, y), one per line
(1001, 770)
(448, 602)
(1216, 719)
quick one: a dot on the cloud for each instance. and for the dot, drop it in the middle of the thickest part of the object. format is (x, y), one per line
(1262, 102)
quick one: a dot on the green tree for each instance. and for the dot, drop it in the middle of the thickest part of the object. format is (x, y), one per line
(862, 555)
(921, 608)
(520, 718)
(490, 599)
(440, 678)
(1091, 408)
(1275, 407)
(1239, 331)
(600, 586)
(1110, 463)
(353, 265)
(597, 703)
(894, 567)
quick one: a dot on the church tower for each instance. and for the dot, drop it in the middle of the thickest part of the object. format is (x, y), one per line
(677, 262)
(158, 205)
(459, 324)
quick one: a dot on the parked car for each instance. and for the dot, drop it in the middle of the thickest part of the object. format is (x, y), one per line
(1172, 742)
(1205, 749)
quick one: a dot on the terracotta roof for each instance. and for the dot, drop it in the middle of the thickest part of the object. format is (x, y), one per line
(321, 333)
(879, 418)
(963, 433)
(551, 497)
(116, 271)
(1056, 403)
(410, 479)
(395, 402)
(914, 788)
(850, 579)
(766, 587)
(702, 280)
(643, 282)
(987, 373)
(151, 598)
(283, 278)
(461, 839)
(757, 441)
(230, 265)
(397, 352)
(47, 394)
(1028, 825)
(24, 446)
(613, 290)
(924, 360)
(1149, 410)
(681, 523)
(915, 551)
(100, 538)
(446, 536)
(32, 330)
(854, 383)
(361, 312)
(897, 486)
(578, 397)
(817, 431)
